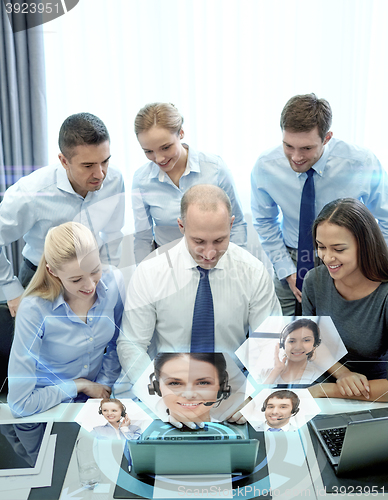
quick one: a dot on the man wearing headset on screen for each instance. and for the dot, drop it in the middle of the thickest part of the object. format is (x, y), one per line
(279, 407)
(163, 296)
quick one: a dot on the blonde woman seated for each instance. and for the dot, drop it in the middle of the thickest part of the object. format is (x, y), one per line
(298, 342)
(66, 327)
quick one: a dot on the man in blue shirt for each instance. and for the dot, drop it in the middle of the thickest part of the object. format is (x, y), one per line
(340, 170)
(80, 188)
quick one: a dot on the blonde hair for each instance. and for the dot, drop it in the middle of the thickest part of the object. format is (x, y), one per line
(63, 244)
(158, 114)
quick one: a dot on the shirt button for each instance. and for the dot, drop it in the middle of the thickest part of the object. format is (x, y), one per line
(90, 319)
(91, 339)
(85, 366)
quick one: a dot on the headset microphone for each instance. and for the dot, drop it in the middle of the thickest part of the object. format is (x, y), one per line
(211, 403)
(223, 392)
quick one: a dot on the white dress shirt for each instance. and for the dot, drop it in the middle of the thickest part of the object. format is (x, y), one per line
(161, 298)
(263, 426)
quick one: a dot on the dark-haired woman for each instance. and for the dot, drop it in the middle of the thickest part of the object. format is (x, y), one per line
(299, 340)
(190, 384)
(352, 288)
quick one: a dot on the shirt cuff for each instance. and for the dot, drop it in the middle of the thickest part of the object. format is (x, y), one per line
(284, 268)
(69, 389)
(12, 290)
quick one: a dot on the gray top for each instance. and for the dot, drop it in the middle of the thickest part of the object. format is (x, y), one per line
(362, 323)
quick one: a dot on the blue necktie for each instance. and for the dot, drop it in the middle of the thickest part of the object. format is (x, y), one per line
(306, 220)
(271, 429)
(202, 333)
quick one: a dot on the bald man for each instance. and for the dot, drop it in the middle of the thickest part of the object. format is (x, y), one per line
(163, 290)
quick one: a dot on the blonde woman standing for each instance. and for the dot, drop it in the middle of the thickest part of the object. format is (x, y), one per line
(173, 168)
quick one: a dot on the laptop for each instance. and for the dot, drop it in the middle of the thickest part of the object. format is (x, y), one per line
(353, 441)
(215, 449)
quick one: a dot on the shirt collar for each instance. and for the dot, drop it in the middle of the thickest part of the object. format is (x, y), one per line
(63, 184)
(189, 262)
(193, 160)
(191, 166)
(320, 165)
(283, 428)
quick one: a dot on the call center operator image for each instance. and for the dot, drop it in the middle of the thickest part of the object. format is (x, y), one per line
(190, 385)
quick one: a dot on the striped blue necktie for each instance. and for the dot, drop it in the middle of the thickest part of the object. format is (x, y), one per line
(202, 333)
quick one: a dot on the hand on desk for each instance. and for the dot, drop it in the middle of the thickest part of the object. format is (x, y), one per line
(353, 384)
(236, 418)
(179, 420)
(92, 389)
(378, 391)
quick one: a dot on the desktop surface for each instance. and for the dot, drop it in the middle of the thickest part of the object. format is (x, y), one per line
(291, 465)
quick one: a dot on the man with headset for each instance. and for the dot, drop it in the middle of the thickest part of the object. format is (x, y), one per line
(278, 409)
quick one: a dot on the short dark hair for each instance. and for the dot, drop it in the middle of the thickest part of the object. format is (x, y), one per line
(81, 129)
(302, 323)
(217, 359)
(302, 113)
(350, 213)
(207, 196)
(284, 394)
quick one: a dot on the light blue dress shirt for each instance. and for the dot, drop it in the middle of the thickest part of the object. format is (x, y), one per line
(45, 199)
(156, 200)
(52, 347)
(343, 171)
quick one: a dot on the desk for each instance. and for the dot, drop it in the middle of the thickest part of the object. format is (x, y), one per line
(292, 464)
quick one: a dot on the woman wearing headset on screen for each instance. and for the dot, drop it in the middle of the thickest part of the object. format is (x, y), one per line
(118, 424)
(66, 328)
(298, 340)
(174, 167)
(190, 385)
(352, 288)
